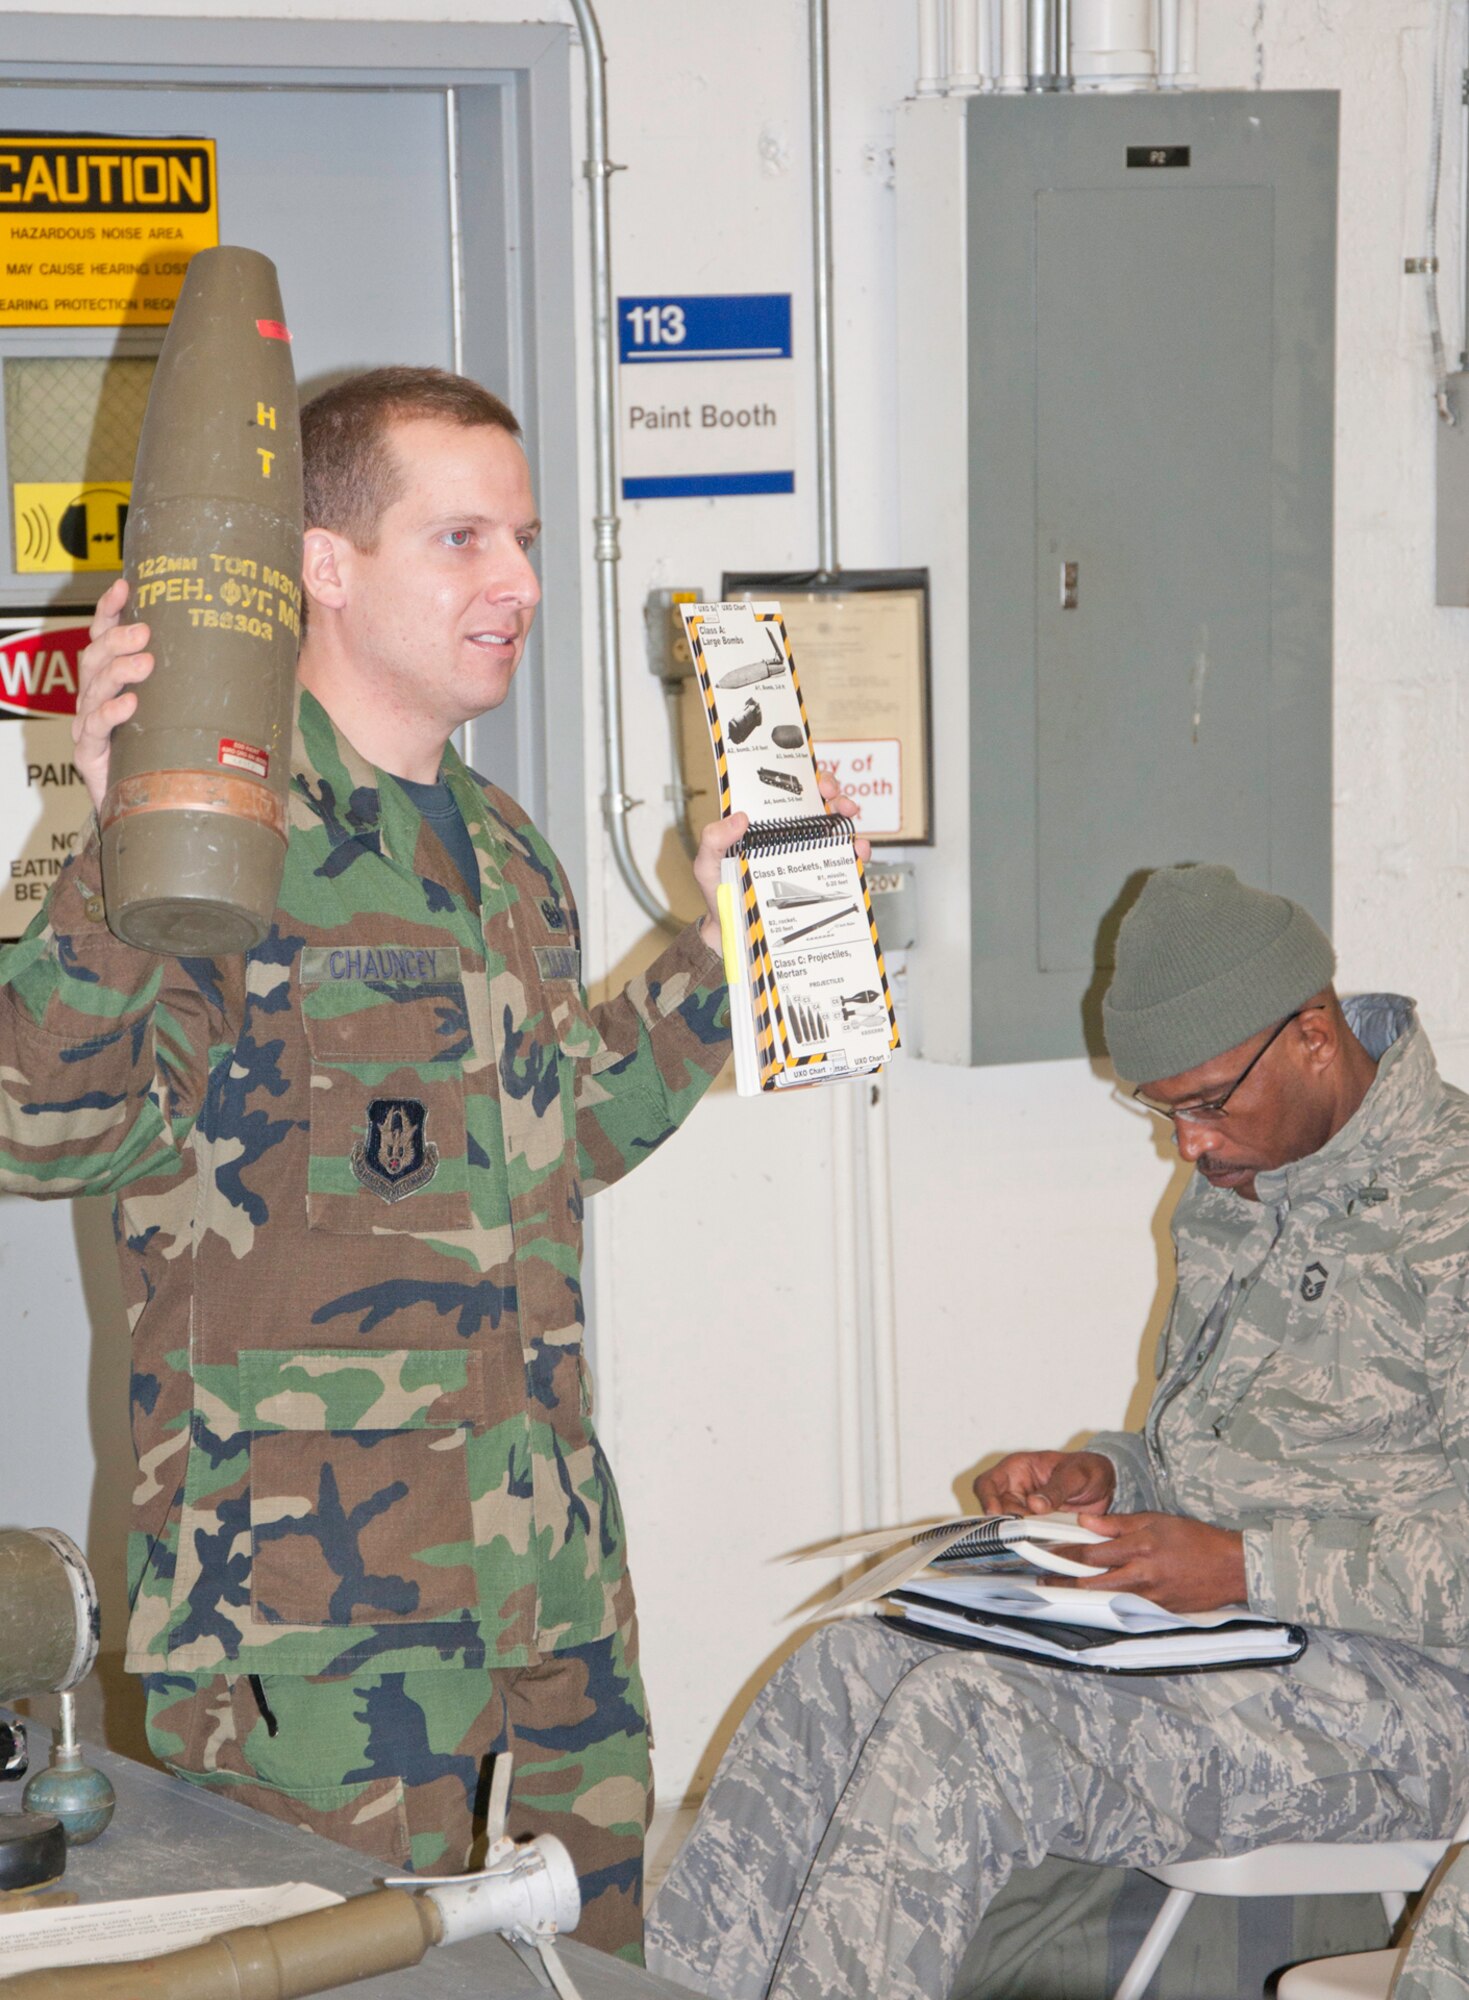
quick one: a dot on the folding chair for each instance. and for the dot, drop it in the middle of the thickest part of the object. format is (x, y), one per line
(1393, 1869)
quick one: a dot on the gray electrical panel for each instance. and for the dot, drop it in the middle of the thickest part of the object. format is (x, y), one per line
(1116, 362)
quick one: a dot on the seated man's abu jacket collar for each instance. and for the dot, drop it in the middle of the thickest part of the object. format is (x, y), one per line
(1401, 1103)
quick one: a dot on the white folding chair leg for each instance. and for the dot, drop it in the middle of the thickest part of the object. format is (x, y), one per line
(1150, 1951)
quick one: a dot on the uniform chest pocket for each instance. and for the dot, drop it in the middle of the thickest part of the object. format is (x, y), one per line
(1303, 1402)
(387, 1102)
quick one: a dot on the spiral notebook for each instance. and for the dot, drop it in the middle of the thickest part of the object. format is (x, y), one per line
(809, 996)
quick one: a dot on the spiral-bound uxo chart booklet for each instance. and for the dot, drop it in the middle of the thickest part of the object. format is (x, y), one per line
(809, 996)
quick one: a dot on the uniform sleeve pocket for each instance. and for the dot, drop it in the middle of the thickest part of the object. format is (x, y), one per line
(359, 1492)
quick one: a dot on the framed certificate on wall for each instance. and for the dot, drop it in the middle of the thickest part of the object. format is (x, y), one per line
(860, 640)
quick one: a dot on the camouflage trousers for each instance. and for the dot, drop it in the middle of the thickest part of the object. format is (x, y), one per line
(398, 1765)
(1436, 1963)
(881, 1790)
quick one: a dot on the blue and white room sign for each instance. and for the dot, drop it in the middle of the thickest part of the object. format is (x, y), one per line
(708, 395)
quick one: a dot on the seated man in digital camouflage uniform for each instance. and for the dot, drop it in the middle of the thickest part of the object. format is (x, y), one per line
(1306, 1451)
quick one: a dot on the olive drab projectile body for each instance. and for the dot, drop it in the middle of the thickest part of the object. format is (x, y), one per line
(194, 822)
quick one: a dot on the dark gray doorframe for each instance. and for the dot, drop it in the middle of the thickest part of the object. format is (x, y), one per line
(507, 93)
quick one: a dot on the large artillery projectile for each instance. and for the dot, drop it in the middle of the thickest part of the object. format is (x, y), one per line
(194, 822)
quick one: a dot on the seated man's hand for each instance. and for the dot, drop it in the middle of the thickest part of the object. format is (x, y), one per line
(1040, 1482)
(1181, 1564)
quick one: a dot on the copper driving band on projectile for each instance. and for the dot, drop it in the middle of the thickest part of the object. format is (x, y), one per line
(194, 791)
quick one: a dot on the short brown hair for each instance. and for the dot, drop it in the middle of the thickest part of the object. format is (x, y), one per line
(352, 473)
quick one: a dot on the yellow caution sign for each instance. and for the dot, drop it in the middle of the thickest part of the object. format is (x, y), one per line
(60, 526)
(98, 231)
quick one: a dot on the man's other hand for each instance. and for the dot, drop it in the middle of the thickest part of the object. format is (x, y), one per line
(1182, 1565)
(1040, 1482)
(720, 835)
(108, 671)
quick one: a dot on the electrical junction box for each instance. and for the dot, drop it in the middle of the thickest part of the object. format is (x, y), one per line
(891, 886)
(1116, 332)
(669, 656)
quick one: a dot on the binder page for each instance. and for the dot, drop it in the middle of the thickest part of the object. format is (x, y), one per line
(741, 1009)
(1169, 1651)
(1111, 1611)
(762, 747)
(829, 989)
(818, 992)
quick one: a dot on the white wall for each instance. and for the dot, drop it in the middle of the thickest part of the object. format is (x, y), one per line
(1030, 1214)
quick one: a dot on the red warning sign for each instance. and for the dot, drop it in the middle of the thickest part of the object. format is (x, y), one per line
(38, 669)
(43, 802)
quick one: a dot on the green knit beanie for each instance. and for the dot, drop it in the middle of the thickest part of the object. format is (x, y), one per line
(1203, 963)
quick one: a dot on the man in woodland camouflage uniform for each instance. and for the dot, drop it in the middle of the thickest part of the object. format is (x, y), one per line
(1307, 1450)
(375, 1539)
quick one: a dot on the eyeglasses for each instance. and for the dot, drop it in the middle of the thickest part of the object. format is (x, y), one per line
(1213, 1107)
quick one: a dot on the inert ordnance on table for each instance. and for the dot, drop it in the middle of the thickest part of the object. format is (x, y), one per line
(526, 1891)
(50, 1629)
(194, 822)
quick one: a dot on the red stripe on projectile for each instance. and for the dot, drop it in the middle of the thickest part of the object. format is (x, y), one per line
(273, 329)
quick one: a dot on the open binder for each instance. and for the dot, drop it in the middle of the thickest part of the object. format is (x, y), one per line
(1104, 1633)
(985, 1582)
(809, 996)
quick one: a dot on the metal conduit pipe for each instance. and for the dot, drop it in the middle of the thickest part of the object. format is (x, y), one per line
(1038, 43)
(966, 70)
(989, 43)
(867, 1389)
(1464, 203)
(1050, 44)
(1012, 45)
(826, 449)
(1168, 44)
(598, 168)
(930, 48)
(1188, 45)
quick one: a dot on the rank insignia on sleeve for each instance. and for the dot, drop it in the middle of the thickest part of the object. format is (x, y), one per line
(1318, 1281)
(396, 1158)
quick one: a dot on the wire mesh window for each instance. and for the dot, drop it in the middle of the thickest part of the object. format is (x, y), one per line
(74, 417)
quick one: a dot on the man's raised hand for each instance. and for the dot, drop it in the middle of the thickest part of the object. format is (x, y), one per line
(720, 835)
(108, 671)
